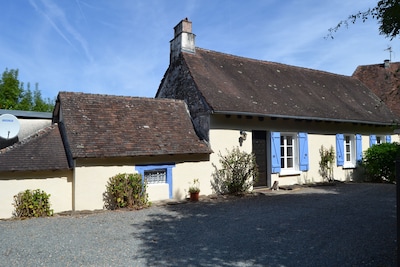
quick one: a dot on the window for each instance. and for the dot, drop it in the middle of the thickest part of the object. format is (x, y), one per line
(379, 139)
(156, 176)
(349, 159)
(289, 153)
(348, 150)
(288, 146)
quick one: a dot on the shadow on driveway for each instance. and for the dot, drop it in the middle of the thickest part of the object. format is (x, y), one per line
(342, 225)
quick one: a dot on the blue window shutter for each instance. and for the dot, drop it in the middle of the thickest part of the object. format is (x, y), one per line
(388, 139)
(303, 149)
(339, 149)
(275, 152)
(359, 153)
(372, 140)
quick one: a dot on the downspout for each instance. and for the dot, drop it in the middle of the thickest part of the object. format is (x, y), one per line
(73, 186)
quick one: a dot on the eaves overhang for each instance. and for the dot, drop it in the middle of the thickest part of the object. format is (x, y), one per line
(275, 116)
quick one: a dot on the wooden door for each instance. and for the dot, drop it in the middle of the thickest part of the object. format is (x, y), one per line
(260, 150)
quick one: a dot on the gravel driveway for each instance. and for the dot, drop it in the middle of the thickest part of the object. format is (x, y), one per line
(341, 225)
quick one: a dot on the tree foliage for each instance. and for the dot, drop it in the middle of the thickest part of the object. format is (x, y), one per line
(14, 96)
(386, 12)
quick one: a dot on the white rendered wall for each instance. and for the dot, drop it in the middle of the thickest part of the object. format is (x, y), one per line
(59, 187)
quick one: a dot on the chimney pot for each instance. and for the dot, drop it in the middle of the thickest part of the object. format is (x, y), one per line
(386, 63)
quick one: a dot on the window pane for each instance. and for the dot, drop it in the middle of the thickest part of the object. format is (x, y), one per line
(290, 151)
(156, 176)
(290, 163)
(289, 140)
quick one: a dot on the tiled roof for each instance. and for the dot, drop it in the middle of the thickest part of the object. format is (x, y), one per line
(236, 84)
(43, 150)
(384, 82)
(120, 126)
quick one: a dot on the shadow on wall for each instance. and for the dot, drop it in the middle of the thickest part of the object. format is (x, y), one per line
(8, 142)
(356, 175)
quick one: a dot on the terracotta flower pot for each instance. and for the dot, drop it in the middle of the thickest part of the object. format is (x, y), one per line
(194, 196)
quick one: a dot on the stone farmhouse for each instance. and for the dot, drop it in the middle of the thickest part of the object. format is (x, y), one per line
(207, 103)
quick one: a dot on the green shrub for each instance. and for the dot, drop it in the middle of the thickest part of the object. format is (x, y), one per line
(379, 162)
(32, 204)
(126, 190)
(237, 174)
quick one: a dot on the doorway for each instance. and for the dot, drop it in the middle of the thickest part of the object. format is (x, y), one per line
(259, 147)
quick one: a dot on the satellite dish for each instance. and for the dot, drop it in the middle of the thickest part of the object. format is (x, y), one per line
(9, 126)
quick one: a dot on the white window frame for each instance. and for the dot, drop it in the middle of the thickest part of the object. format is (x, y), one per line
(380, 139)
(285, 148)
(154, 176)
(350, 151)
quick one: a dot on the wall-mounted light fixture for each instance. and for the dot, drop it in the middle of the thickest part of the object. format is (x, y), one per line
(243, 136)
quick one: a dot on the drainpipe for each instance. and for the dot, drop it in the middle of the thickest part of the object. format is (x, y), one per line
(73, 185)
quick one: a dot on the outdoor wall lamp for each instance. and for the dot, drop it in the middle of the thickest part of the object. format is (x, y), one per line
(242, 137)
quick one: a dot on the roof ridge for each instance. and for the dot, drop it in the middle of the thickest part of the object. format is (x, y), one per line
(122, 96)
(272, 62)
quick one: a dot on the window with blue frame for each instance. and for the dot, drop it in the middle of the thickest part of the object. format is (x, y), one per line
(289, 153)
(379, 139)
(157, 174)
(348, 150)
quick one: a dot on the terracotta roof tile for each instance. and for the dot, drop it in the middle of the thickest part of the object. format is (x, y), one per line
(120, 126)
(384, 82)
(43, 150)
(236, 84)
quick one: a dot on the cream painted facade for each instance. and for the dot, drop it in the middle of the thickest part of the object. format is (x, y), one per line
(57, 184)
(90, 183)
(223, 139)
(83, 188)
(184, 173)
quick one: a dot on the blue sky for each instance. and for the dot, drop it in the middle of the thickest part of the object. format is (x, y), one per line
(121, 47)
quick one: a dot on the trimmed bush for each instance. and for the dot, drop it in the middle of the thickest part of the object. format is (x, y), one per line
(35, 203)
(237, 174)
(379, 162)
(126, 190)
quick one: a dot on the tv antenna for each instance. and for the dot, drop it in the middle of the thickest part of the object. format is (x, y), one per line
(390, 52)
(9, 126)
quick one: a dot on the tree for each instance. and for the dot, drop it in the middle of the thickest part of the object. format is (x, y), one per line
(13, 95)
(10, 89)
(386, 12)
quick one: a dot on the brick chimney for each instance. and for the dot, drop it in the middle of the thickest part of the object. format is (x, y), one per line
(183, 40)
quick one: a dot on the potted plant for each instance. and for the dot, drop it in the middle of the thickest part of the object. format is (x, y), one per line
(194, 190)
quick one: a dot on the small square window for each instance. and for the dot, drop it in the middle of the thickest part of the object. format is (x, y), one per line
(156, 176)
